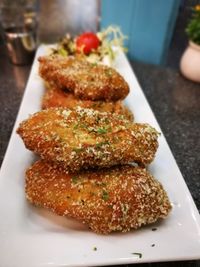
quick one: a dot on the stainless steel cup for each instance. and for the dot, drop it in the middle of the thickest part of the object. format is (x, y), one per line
(19, 24)
(21, 45)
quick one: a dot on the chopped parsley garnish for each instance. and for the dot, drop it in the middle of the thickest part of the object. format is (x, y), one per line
(75, 126)
(108, 72)
(153, 229)
(121, 117)
(137, 254)
(94, 64)
(105, 195)
(101, 130)
(106, 120)
(95, 248)
(83, 126)
(74, 179)
(102, 143)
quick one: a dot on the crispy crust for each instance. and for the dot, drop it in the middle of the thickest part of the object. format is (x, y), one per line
(85, 80)
(83, 138)
(115, 199)
(55, 97)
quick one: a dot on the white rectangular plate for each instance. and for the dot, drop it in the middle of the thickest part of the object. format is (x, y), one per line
(35, 237)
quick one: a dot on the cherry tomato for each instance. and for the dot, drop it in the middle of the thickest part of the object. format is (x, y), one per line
(86, 42)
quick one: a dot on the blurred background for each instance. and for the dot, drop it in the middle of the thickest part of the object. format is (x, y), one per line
(156, 29)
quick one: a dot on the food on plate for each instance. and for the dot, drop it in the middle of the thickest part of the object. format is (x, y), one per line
(84, 79)
(87, 42)
(95, 47)
(55, 97)
(115, 199)
(83, 138)
(87, 143)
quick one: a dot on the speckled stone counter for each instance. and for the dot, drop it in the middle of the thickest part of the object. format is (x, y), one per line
(174, 100)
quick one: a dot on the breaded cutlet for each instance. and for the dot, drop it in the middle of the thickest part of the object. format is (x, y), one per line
(84, 79)
(107, 200)
(55, 97)
(84, 138)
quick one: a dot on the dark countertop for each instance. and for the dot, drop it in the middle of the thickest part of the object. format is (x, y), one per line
(174, 100)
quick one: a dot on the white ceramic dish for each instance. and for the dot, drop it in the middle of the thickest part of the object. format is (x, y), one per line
(35, 237)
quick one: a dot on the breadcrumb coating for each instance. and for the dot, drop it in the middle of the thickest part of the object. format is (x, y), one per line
(115, 199)
(85, 80)
(82, 138)
(55, 97)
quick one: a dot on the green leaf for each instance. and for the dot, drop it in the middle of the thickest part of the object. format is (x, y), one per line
(98, 145)
(101, 130)
(62, 52)
(74, 179)
(105, 195)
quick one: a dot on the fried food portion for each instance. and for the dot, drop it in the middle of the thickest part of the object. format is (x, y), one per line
(55, 97)
(85, 80)
(107, 200)
(83, 138)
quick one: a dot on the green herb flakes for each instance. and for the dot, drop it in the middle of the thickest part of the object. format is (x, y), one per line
(105, 195)
(77, 149)
(63, 52)
(106, 120)
(101, 130)
(95, 248)
(74, 179)
(98, 145)
(94, 64)
(108, 72)
(75, 126)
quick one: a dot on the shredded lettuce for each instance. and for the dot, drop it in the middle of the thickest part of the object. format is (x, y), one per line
(110, 37)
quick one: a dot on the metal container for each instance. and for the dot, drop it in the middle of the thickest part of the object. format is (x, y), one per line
(19, 24)
(21, 45)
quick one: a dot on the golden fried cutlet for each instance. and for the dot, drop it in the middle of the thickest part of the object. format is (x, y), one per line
(115, 199)
(82, 138)
(85, 80)
(55, 97)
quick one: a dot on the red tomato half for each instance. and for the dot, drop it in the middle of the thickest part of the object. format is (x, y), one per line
(86, 42)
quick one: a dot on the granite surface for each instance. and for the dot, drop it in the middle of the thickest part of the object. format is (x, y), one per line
(174, 100)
